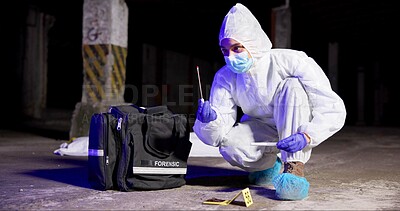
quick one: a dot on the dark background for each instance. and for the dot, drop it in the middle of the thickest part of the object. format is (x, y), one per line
(365, 30)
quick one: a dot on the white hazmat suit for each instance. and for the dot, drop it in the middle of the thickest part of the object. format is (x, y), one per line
(283, 93)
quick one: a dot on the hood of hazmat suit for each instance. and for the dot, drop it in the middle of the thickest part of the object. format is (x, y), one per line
(241, 25)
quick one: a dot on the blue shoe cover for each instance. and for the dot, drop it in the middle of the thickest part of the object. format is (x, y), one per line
(291, 187)
(266, 176)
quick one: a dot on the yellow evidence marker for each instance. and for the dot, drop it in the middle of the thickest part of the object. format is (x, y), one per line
(246, 196)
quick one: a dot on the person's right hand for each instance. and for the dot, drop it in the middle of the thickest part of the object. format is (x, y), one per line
(293, 143)
(205, 113)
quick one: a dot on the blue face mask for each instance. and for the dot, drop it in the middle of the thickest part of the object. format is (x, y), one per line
(239, 63)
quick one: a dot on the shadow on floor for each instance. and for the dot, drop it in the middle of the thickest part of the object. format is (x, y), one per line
(73, 176)
(212, 176)
(196, 175)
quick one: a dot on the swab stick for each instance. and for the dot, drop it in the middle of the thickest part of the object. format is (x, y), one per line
(198, 76)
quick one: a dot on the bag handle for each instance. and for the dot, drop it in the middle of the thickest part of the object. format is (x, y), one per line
(157, 110)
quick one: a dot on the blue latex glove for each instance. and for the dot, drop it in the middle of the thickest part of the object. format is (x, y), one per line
(293, 143)
(205, 113)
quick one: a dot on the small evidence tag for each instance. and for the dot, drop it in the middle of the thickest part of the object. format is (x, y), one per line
(246, 196)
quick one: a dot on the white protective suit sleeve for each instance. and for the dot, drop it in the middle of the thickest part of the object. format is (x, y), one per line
(327, 108)
(213, 132)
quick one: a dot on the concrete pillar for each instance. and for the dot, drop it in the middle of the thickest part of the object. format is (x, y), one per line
(333, 61)
(34, 75)
(360, 96)
(379, 95)
(178, 90)
(151, 77)
(104, 51)
(281, 26)
(170, 78)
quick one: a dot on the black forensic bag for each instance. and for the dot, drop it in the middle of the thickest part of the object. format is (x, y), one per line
(152, 147)
(154, 150)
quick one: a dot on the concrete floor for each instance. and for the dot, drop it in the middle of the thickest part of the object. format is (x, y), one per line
(356, 169)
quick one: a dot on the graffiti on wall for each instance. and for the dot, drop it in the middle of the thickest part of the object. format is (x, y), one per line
(105, 22)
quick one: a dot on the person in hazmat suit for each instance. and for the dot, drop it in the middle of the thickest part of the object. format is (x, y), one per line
(285, 97)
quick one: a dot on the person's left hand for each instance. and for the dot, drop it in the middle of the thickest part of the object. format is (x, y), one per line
(293, 143)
